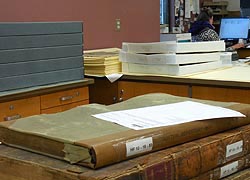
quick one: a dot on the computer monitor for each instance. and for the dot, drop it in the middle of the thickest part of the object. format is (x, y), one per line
(244, 4)
(245, 12)
(234, 28)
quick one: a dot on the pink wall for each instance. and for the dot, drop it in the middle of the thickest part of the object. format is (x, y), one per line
(139, 18)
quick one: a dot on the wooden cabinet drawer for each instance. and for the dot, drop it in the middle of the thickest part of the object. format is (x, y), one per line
(128, 89)
(64, 97)
(221, 94)
(20, 108)
(63, 107)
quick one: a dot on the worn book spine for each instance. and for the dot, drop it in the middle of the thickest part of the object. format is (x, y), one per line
(200, 156)
(185, 161)
(226, 170)
(115, 149)
(110, 149)
(243, 174)
(180, 162)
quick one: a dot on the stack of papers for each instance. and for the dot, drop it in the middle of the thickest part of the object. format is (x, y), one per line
(166, 115)
(102, 61)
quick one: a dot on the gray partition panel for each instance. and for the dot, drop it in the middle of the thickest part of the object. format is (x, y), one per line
(35, 41)
(22, 68)
(32, 28)
(22, 55)
(24, 81)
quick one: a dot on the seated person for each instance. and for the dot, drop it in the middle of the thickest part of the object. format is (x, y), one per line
(203, 30)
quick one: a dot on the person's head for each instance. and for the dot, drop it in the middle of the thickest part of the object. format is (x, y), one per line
(206, 14)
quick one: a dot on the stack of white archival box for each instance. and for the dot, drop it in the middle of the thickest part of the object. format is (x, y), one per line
(171, 57)
(178, 37)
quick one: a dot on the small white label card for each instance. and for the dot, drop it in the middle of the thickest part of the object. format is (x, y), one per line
(139, 146)
(229, 169)
(234, 148)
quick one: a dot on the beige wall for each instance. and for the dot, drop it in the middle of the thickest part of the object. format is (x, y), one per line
(140, 19)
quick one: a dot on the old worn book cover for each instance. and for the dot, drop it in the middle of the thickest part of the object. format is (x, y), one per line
(226, 170)
(191, 159)
(78, 137)
(194, 159)
(243, 174)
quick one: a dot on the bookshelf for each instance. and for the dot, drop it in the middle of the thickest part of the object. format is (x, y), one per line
(219, 11)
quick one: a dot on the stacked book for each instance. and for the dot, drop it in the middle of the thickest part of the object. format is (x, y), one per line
(171, 57)
(215, 147)
(211, 148)
(102, 61)
(40, 53)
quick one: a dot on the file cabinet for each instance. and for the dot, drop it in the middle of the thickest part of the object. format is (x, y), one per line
(19, 108)
(129, 89)
(64, 100)
(44, 100)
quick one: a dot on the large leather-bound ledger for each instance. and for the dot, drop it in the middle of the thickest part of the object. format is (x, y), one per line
(226, 170)
(202, 158)
(78, 137)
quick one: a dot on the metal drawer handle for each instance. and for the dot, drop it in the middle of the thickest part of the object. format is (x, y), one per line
(65, 98)
(121, 94)
(9, 118)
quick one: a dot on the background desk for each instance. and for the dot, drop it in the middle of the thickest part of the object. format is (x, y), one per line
(229, 84)
(243, 52)
(44, 99)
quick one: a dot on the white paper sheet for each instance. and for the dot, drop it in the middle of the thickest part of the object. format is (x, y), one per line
(166, 115)
(196, 6)
(187, 9)
(114, 77)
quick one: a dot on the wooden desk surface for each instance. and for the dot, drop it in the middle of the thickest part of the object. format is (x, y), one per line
(243, 52)
(237, 76)
(224, 84)
(40, 90)
(230, 84)
(16, 164)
